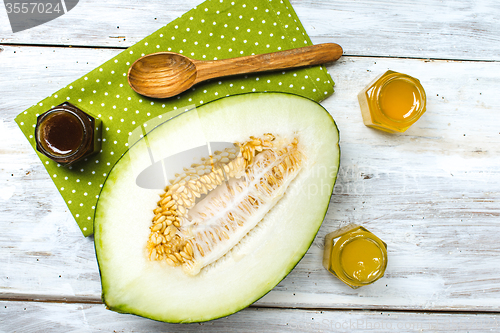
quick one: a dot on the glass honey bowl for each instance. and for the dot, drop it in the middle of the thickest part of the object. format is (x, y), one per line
(355, 255)
(392, 102)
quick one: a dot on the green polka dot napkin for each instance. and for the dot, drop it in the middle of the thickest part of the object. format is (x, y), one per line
(215, 29)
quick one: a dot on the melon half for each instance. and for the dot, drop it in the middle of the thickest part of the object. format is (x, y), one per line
(243, 217)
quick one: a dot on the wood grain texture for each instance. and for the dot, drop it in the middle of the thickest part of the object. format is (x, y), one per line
(430, 193)
(456, 29)
(305, 56)
(167, 74)
(70, 318)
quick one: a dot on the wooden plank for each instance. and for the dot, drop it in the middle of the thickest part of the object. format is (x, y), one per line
(423, 29)
(430, 193)
(58, 317)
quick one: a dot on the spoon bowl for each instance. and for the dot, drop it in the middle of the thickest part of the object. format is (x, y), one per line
(166, 74)
(162, 74)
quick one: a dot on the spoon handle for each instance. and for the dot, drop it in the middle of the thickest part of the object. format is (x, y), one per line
(303, 56)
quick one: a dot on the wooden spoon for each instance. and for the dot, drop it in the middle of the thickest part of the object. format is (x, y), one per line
(166, 74)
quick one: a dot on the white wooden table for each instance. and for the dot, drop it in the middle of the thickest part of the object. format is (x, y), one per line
(431, 193)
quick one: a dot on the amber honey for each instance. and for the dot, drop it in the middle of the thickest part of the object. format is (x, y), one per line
(355, 255)
(392, 102)
(67, 135)
(61, 133)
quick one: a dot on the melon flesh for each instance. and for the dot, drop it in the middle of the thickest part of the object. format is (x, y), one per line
(132, 283)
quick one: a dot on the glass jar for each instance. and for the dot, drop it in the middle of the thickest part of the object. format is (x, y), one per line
(392, 102)
(355, 255)
(67, 135)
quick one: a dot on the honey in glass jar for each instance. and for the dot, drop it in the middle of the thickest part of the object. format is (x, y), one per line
(392, 102)
(67, 135)
(355, 255)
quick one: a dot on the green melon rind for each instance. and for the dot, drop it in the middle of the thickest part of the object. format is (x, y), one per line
(116, 300)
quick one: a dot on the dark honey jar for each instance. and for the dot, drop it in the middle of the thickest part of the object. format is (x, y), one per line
(67, 135)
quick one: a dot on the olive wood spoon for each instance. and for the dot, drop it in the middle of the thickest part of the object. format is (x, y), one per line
(166, 74)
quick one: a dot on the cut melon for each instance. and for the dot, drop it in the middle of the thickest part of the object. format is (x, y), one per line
(230, 226)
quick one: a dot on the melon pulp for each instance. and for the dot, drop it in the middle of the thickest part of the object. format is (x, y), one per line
(248, 268)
